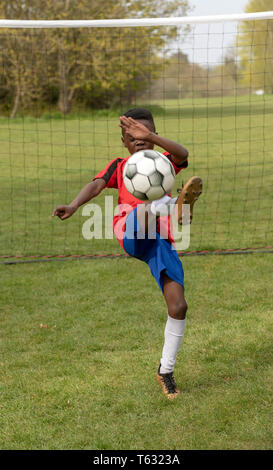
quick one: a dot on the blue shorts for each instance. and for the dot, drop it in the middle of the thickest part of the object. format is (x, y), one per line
(156, 252)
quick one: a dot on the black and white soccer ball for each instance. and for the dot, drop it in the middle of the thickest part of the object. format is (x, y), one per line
(148, 175)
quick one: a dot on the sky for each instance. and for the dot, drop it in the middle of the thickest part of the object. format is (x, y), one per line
(207, 45)
(217, 7)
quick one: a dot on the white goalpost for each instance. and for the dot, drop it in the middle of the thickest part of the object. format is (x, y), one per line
(128, 22)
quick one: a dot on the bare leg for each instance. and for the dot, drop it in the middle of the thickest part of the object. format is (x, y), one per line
(175, 300)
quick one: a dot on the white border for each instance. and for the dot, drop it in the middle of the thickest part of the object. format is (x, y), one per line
(123, 23)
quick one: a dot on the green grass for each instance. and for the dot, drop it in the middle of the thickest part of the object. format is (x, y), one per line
(86, 380)
(81, 340)
(45, 162)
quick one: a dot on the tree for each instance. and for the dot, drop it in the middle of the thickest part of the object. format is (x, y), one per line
(94, 66)
(255, 42)
(178, 78)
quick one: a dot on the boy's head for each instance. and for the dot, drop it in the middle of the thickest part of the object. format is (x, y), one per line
(145, 117)
(141, 114)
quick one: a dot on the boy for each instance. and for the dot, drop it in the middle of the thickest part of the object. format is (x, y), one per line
(133, 227)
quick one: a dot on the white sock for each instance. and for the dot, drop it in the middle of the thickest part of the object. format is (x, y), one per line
(174, 332)
(163, 206)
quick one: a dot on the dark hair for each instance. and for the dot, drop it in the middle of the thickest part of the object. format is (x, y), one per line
(140, 113)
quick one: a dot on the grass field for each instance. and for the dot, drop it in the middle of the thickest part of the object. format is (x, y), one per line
(45, 162)
(87, 378)
(81, 340)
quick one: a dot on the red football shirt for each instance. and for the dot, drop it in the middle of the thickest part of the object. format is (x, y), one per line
(112, 175)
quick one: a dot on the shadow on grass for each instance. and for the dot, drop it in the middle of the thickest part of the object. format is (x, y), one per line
(205, 109)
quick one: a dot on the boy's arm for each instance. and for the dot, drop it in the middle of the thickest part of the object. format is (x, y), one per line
(178, 152)
(139, 131)
(89, 191)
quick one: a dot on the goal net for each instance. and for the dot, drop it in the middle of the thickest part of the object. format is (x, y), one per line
(63, 86)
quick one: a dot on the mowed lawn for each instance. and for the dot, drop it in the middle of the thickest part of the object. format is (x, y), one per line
(81, 342)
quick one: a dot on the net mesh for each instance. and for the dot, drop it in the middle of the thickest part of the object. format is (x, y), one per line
(62, 92)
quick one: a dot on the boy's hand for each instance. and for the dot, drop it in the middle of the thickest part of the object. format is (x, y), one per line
(134, 128)
(63, 212)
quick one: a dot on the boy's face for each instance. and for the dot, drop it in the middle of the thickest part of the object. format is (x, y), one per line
(135, 145)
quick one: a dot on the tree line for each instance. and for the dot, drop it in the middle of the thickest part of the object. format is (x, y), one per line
(94, 68)
(66, 69)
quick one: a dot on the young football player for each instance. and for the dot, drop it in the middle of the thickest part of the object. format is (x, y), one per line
(133, 227)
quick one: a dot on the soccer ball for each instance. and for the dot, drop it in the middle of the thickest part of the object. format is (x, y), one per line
(148, 175)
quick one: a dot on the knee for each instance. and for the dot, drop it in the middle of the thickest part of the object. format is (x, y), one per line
(178, 309)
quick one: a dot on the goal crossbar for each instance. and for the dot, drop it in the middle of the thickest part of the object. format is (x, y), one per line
(135, 22)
